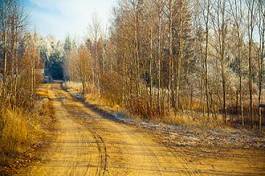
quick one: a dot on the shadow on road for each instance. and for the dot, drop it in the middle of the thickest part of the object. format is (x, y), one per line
(95, 108)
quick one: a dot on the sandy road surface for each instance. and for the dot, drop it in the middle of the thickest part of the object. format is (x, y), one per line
(89, 144)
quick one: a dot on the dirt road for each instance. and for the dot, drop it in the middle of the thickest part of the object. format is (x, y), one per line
(88, 143)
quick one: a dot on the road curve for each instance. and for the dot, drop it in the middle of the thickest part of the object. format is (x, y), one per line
(87, 143)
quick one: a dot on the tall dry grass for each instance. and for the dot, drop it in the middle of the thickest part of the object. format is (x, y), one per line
(17, 134)
(20, 130)
(15, 131)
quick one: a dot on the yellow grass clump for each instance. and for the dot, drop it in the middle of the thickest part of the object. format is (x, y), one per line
(19, 131)
(194, 120)
(15, 133)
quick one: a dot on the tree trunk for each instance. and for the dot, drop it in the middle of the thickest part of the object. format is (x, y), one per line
(150, 69)
(159, 62)
(206, 59)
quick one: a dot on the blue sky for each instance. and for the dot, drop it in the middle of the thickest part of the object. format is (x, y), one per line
(60, 18)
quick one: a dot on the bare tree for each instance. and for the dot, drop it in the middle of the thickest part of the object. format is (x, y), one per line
(238, 17)
(251, 20)
(206, 14)
(261, 29)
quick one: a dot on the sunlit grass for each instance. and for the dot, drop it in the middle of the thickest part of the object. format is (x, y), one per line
(20, 129)
(17, 134)
(200, 121)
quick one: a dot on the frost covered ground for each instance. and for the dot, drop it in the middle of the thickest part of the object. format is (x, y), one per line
(183, 136)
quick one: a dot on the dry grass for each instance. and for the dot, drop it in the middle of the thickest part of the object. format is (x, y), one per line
(74, 86)
(193, 119)
(15, 131)
(93, 96)
(21, 130)
(103, 102)
(17, 135)
(42, 92)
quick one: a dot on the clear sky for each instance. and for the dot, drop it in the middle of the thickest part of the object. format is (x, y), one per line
(60, 18)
